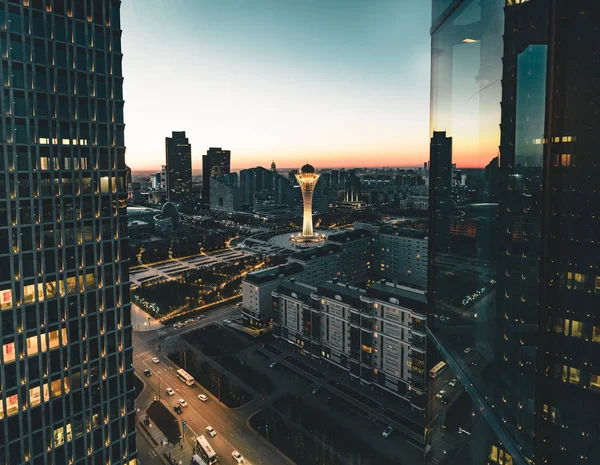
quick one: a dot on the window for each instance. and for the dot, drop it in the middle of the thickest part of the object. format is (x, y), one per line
(574, 375)
(8, 352)
(596, 334)
(595, 382)
(37, 394)
(6, 298)
(62, 434)
(30, 291)
(576, 328)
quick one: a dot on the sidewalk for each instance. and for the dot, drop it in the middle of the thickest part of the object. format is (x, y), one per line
(141, 321)
(178, 454)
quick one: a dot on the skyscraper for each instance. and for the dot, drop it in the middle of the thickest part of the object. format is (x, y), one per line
(66, 373)
(215, 163)
(179, 167)
(512, 304)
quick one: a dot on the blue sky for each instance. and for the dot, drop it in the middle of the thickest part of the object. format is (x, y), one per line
(335, 82)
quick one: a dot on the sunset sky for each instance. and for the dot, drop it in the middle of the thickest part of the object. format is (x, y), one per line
(336, 82)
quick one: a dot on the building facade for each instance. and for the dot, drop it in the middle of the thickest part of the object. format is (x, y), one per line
(179, 167)
(216, 162)
(377, 335)
(225, 195)
(66, 372)
(513, 285)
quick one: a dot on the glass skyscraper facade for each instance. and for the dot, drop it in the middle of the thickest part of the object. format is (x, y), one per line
(179, 167)
(514, 275)
(66, 373)
(216, 162)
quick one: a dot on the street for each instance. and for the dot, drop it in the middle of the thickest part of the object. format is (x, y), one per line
(232, 433)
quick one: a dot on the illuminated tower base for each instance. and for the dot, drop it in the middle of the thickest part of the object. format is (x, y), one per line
(307, 178)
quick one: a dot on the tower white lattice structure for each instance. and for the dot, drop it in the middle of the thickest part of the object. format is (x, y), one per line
(307, 178)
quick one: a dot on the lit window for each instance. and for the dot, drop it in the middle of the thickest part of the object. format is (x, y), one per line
(5, 298)
(596, 334)
(30, 291)
(595, 382)
(576, 328)
(574, 375)
(62, 434)
(37, 394)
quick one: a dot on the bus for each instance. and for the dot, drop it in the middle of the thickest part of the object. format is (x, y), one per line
(205, 450)
(436, 370)
(185, 377)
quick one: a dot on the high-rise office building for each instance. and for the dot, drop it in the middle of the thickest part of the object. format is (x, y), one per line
(512, 299)
(216, 162)
(66, 372)
(179, 167)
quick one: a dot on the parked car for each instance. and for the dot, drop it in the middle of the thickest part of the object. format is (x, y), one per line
(211, 431)
(170, 391)
(183, 403)
(202, 397)
(387, 432)
(237, 456)
(155, 360)
(147, 373)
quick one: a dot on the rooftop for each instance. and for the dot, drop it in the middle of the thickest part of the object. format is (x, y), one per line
(348, 236)
(408, 297)
(296, 290)
(342, 292)
(316, 252)
(405, 232)
(274, 273)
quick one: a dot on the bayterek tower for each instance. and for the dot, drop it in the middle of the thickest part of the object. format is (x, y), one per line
(307, 178)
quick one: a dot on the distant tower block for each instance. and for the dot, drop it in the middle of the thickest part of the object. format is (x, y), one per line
(307, 178)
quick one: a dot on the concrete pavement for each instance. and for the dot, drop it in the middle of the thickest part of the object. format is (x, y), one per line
(141, 321)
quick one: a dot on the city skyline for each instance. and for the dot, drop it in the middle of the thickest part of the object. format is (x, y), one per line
(275, 80)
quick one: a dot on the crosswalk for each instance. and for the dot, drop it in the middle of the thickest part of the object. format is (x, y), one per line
(143, 354)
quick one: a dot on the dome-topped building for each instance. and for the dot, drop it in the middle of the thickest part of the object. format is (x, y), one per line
(169, 210)
(307, 169)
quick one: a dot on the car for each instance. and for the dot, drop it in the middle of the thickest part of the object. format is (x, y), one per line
(315, 390)
(170, 391)
(473, 363)
(212, 433)
(444, 400)
(467, 350)
(387, 432)
(202, 397)
(177, 409)
(453, 382)
(273, 365)
(237, 456)
(440, 394)
(239, 304)
(183, 403)
(147, 373)
(155, 360)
